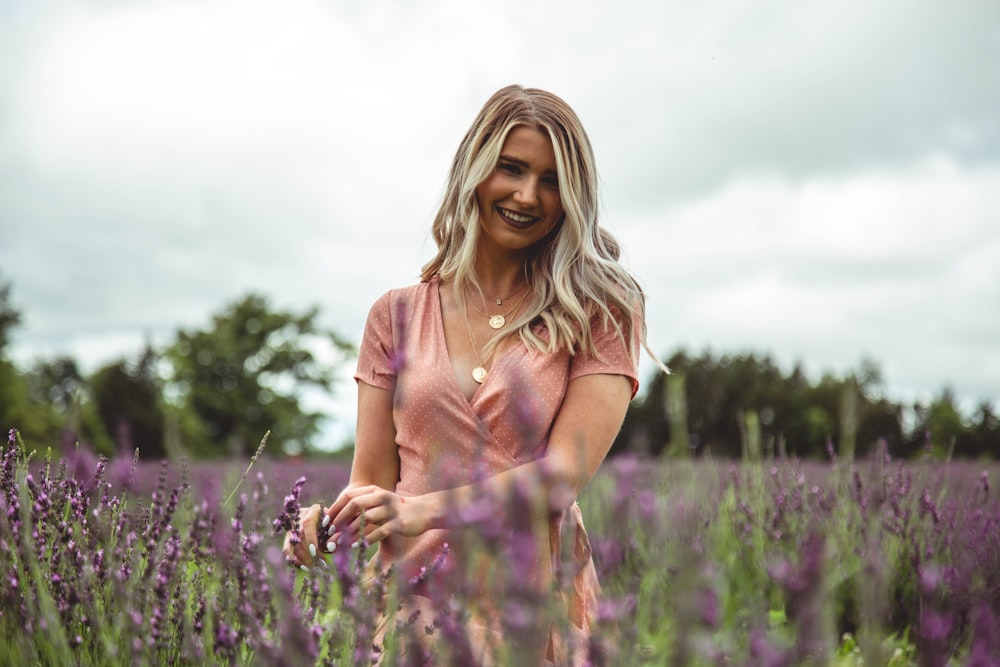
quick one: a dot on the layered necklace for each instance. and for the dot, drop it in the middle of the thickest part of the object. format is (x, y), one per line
(499, 321)
(479, 373)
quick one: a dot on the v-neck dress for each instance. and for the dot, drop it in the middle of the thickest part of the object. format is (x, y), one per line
(446, 440)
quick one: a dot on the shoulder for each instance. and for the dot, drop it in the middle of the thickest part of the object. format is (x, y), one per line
(401, 297)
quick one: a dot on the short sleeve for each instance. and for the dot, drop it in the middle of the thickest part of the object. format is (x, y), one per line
(377, 357)
(611, 354)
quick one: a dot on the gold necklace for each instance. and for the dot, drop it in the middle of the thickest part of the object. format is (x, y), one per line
(479, 372)
(499, 302)
(499, 320)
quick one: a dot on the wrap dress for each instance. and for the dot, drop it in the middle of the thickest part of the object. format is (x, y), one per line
(445, 441)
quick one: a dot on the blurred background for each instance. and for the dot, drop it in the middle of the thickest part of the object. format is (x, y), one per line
(199, 200)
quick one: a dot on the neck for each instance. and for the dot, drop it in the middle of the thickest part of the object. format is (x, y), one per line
(501, 280)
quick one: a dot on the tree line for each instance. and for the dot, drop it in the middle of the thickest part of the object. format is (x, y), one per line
(211, 392)
(744, 405)
(214, 391)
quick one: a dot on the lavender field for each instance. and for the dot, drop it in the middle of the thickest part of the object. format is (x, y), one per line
(874, 562)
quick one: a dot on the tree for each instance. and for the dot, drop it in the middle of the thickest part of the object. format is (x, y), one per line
(744, 401)
(11, 391)
(985, 431)
(58, 386)
(243, 376)
(129, 402)
(10, 317)
(38, 424)
(940, 429)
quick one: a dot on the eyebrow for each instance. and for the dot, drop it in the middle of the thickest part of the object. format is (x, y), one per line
(522, 163)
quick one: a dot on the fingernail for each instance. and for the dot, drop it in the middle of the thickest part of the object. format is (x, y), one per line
(312, 550)
(322, 563)
(331, 546)
(356, 544)
(304, 568)
(326, 520)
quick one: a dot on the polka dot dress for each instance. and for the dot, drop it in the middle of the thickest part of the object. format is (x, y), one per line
(446, 440)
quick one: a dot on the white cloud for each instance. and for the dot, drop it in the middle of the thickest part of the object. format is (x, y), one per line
(898, 266)
(813, 180)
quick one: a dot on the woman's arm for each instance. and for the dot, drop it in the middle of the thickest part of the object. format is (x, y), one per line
(585, 427)
(376, 459)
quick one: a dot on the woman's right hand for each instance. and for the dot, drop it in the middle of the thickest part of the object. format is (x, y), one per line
(306, 553)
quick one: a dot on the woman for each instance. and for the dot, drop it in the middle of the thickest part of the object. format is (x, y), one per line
(499, 381)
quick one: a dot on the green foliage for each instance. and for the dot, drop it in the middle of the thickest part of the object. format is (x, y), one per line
(224, 386)
(128, 400)
(244, 375)
(736, 402)
(809, 564)
(10, 317)
(39, 422)
(59, 385)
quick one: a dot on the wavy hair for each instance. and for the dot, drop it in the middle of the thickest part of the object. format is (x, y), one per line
(574, 273)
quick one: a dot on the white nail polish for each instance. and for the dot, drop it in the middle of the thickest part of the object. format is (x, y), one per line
(356, 545)
(331, 546)
(322, 563)
(303, 568)
(326, 520)
(312, 550)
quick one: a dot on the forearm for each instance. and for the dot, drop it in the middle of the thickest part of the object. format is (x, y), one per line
(538, 486)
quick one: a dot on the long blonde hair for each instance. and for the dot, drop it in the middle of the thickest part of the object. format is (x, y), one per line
(574, 273)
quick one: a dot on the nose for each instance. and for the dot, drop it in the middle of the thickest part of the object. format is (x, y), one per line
(527, 193)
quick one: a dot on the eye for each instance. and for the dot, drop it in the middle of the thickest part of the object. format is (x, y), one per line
(551, 181)
(509, 167)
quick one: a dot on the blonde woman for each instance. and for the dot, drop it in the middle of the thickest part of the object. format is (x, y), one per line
(501, 378)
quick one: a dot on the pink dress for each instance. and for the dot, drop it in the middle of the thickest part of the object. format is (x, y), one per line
(446, 440)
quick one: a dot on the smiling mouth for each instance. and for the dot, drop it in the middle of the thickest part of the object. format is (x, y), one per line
(518, 218)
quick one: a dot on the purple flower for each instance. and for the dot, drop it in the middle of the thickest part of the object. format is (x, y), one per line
(763, 652)
(985, 637)
(613, 610)
(288, 520)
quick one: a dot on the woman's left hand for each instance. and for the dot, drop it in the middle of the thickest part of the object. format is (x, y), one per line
(381, 512)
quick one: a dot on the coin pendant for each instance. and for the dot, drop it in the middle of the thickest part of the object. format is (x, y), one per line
(497, 322)
(479, 374)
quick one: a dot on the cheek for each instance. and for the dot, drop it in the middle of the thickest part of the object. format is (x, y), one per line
(488, 189)
(554, 209)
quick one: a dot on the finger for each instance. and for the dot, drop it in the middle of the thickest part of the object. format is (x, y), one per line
(301, 555)
(346, 496)
(353, 509)
(303, 559)
(378, 533)
(294, 555)
(338, 540)
(308, 527)
(373, 533)
(286, 548)
(372, 517)
(315, 556)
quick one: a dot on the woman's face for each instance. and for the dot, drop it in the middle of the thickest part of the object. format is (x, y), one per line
(519, 202)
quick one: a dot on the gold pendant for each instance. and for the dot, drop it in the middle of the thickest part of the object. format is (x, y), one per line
(479, 374)
(497, 322)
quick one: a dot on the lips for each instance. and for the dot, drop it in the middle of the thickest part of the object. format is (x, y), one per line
(516, 219)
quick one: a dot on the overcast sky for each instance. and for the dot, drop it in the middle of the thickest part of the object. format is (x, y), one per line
(815, 180)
